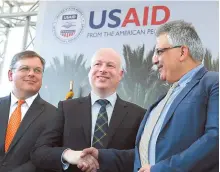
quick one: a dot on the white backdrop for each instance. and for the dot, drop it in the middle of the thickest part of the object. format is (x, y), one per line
(65, 31)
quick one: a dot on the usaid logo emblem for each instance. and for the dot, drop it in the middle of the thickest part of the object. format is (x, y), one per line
(68, 24)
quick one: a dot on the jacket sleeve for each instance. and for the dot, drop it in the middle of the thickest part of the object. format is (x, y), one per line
(48, 151)
(112, 160)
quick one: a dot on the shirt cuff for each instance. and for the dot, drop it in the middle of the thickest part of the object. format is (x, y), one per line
(65, 164)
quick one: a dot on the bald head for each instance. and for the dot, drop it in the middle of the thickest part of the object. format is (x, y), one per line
(106, 72)
(107, 53)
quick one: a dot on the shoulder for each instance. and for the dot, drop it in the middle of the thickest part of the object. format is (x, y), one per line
(48, 105)
(208, 84)
(73, 102)
(210, 79)
(211, 75)
(5, 98)
(133, 106)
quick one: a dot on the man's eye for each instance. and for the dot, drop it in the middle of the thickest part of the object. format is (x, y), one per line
(37, 70)
(159, 52)
(110, 65)
(24, 69)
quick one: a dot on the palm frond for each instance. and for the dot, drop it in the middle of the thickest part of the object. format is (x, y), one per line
(58, 75)
(140, 84)
(210, 63)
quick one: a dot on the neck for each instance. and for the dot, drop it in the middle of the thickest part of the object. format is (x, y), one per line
(20, 95)
(188, 66)
(102, 93)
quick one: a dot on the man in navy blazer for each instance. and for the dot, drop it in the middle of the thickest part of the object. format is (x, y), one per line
(185, 136)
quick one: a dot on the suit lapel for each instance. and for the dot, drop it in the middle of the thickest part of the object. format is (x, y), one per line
(4, 114)
(183, 94)
(33, 112)
(119, 113)
(85, 108)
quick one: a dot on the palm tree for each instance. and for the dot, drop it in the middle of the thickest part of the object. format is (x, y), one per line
(209, 63)
(140, 84)
(57, 77)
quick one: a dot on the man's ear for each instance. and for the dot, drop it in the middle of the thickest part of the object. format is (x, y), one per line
(10, 75)
(184, 53)
(121, 74)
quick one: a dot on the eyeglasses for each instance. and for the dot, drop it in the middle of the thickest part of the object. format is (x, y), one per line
(27, 69)
(159, 51)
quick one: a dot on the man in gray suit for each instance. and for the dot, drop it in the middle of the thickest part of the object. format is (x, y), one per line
(23, 114)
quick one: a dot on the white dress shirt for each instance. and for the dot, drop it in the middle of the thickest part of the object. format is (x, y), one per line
(96, 107)
(24, 107)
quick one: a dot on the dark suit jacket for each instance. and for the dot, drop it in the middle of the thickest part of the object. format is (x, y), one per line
(17, 159)
(189, 138)
(123, 127)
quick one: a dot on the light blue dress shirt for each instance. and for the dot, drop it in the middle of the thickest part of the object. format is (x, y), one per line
(181, 84)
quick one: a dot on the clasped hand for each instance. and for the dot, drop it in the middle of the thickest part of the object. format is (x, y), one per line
(86, 160)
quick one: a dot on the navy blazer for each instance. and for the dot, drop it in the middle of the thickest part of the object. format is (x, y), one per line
(188, 140)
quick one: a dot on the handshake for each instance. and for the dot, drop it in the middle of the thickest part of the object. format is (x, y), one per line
(86, 160)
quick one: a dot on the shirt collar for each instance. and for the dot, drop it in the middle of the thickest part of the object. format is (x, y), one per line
(189, 75)
(112, 98)
(28, 101)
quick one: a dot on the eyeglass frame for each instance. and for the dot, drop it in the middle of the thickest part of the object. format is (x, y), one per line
(160, 51)
(27, 69)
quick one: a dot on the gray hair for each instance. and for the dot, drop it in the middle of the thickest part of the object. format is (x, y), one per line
(182, 33)
(26, 54)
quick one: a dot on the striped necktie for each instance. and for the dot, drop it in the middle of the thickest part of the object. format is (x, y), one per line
(101, 126)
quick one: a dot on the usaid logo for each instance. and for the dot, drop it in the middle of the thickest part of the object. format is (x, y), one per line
(68, 24)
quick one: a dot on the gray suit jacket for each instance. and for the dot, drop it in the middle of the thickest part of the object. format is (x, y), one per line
(17, 159)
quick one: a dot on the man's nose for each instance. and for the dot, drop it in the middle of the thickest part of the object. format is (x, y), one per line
(102, 68)
(31, 72)
(155, 59)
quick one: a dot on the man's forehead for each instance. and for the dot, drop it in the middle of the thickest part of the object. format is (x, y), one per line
(104, 60)
(26, 62)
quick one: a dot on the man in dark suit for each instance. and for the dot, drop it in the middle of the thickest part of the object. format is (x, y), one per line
(180, 132)
(89, 122)
(23, 114)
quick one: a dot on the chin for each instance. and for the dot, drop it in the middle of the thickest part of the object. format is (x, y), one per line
(102, 88)
(101, 85)
(30, 89)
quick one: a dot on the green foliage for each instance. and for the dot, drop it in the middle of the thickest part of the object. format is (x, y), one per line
(141, 84)
(58, 75)
(209, 63)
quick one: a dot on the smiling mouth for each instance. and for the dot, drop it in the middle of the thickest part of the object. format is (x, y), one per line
(30, 81)
(102, 77)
